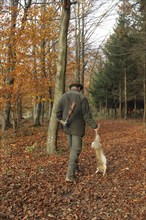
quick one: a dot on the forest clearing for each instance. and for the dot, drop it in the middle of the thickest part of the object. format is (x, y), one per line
(33, 184)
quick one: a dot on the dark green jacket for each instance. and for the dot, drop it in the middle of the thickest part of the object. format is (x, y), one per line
(82, 114)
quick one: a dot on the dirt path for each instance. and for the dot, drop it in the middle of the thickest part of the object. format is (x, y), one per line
(33, 186)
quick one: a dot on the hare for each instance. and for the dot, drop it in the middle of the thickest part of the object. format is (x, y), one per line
(101, 158)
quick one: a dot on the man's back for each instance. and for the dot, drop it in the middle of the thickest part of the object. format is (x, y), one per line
(80, 115)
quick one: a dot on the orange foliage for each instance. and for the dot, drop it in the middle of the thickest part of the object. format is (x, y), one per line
(32, 75)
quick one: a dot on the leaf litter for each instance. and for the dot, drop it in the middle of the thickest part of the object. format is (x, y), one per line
(33, 184)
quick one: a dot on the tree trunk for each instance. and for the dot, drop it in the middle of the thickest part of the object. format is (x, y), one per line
(143, 42)
(9, 80)
(77, 41)
(120, 100)
(16, 109)
(125, 93)
(50, 102)
(106, 104)
(83, 44)
(144, 78)
(37, 113)
(76, 45)
(135, 105)
(144, 88)
(6, 115)
(60, 76)
(38, 107)
(42, 112)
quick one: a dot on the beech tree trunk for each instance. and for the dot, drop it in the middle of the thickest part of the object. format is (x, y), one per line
(83, 45)
(9, 80)
(6, 115)
(38, 106)
(77, 40)
(16, 109)
(37, 110)
(60, 76)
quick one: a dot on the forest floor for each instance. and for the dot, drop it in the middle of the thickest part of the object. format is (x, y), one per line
(33, 184)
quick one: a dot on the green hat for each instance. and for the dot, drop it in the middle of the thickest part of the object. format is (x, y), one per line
(77, 84)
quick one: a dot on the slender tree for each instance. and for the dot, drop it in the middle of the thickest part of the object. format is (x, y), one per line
(9, 80)
(38, 105)
(60, 76)
(143, 12)
(11, 65)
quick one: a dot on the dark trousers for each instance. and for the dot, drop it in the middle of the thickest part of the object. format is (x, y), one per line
(75, 146)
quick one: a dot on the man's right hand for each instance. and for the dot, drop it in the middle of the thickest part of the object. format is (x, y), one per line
(97, 129)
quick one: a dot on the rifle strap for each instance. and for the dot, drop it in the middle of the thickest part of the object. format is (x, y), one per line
(72, 106)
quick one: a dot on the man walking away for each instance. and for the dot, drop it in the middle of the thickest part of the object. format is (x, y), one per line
(74, 113)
